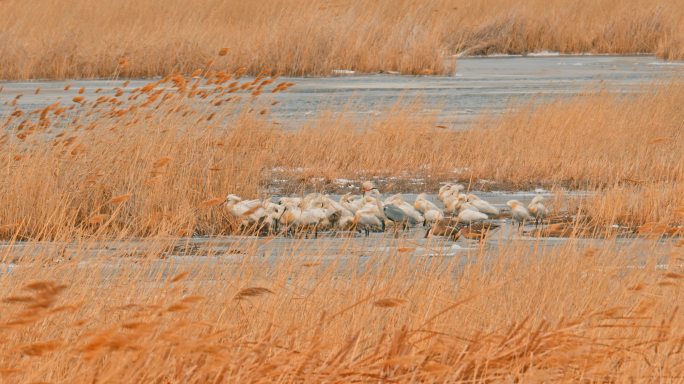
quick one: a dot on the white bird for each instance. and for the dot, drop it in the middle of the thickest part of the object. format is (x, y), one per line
(469, 215)
(290, 201)
(338, 216)
(367, 218)
(351, 202)
(399, 211)
(423, 205)
(313, 217)
(290, 216)
(443, 189)
(294, 217)
(312, 200)
(333, 214)
(330, 203)
(454, 204)
(374, 205)
(344, 220)
(272, 215)
(432, 216)
(246, 212)
(519, 213)
(447, 191)
(236, 206)
(482, 205)
(367, 188)
(538, 210)
(346, 223)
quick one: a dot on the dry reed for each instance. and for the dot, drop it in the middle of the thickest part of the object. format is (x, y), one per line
(45, 39)
(156, 163)
(514, 313)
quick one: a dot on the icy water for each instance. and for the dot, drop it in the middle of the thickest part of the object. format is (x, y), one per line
(344, 248)
(479, 84)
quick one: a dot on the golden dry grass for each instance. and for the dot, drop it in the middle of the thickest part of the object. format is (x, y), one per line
(516, 313)
(46, 39)
(159, 159)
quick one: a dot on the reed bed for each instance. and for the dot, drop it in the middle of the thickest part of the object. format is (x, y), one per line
(160, 158)
(86, 39)
(521, 312)
(584, 142)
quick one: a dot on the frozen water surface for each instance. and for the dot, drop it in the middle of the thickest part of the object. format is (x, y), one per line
(479, 84)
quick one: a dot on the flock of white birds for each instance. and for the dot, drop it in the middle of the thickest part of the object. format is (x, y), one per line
(369, 212)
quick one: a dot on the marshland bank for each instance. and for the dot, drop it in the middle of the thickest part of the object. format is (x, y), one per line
(89, 40)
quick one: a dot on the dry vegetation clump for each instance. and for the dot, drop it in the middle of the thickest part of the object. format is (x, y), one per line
(159, 158)
(44, 39)
(516, 313)
(584, 142)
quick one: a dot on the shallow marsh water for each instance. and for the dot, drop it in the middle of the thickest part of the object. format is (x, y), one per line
(480, 84)
(345, 249)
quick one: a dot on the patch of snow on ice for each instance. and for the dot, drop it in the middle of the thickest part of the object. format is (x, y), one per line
(344, 181)
(343, 72)
(678, 63)
(544, 54)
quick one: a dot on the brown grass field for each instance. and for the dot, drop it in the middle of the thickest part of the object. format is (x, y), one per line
(86, 39)
(533, 314)
(100, 195)
(145, 163)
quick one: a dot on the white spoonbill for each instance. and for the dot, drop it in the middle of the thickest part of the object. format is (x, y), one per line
(482, 205)
(448, 191)
(469, 215)
(519, 213)
(423, 205)
(367, 188)
(351, 202)
(307, 219)
(538, 210)
(367, 218)
(246, 212)
(399, 211)
(433, 215)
